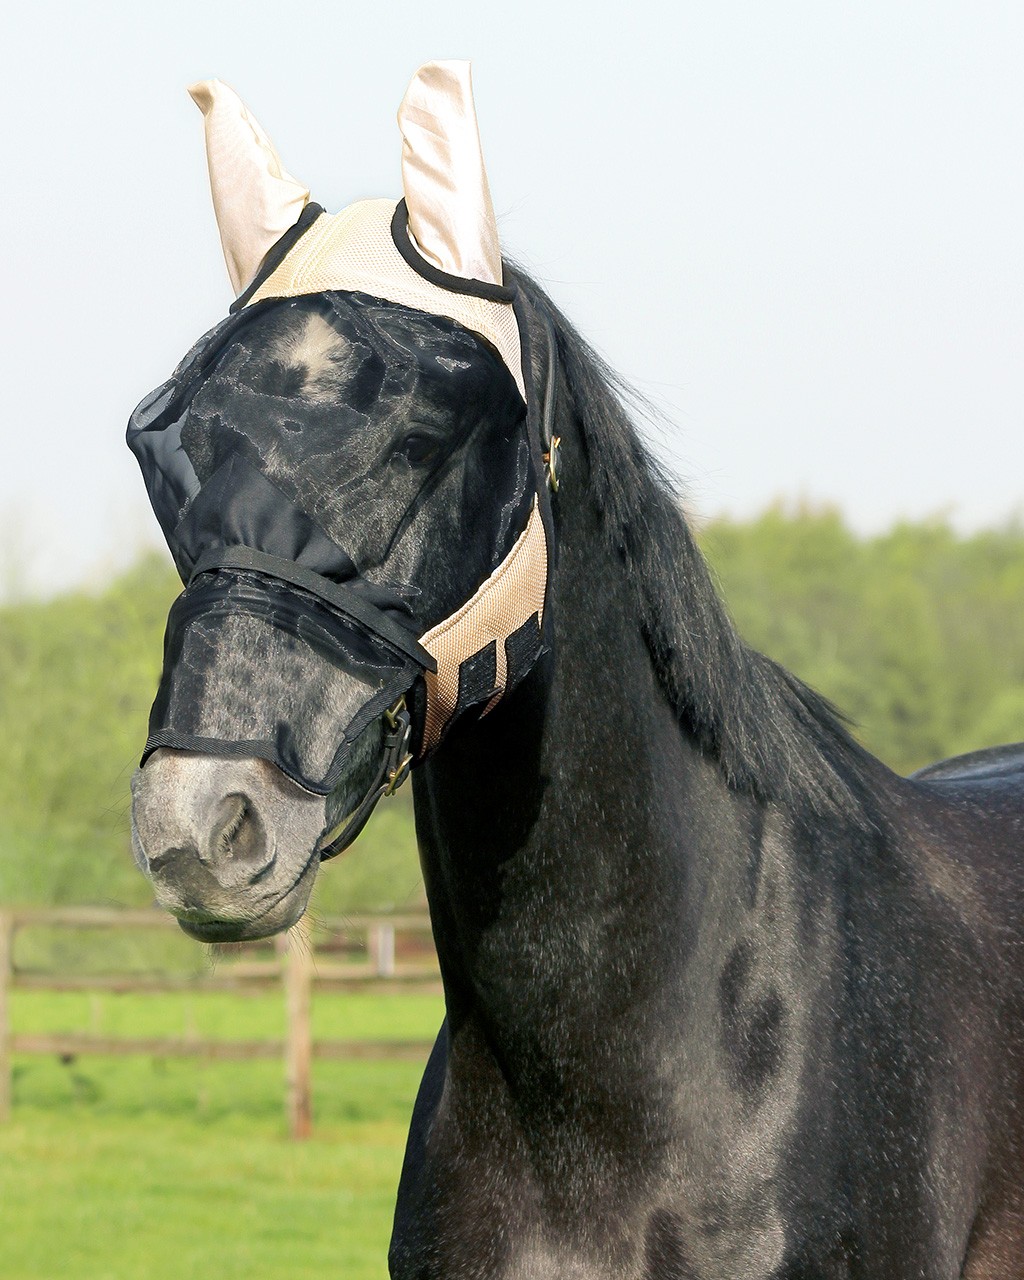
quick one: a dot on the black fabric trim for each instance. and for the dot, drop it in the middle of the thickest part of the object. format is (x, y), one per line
(277, 253)
(477, 678)
(343, 598)
(454, 284)
(416, 701)
(522, 649)
(256, 748)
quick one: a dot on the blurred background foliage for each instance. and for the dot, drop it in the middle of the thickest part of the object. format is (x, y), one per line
(917, 634)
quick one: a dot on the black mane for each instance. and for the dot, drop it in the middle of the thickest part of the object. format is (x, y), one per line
(772, 735)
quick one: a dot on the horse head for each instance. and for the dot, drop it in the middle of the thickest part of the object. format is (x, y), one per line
(352, 475)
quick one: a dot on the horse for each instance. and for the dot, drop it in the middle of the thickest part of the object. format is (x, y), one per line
(726, 998)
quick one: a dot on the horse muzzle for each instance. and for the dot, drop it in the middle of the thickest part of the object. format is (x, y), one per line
(230, 846)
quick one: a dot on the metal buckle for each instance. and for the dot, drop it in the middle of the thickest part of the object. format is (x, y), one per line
(395, 767)
(547, 423)
(397, 757)
(551, 462)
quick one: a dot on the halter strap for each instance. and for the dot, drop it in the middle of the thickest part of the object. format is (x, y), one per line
(338, 594)
(396, 761)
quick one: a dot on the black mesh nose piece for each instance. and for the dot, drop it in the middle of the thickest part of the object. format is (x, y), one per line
(256, 667)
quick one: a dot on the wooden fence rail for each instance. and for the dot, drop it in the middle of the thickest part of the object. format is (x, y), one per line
(297, 969)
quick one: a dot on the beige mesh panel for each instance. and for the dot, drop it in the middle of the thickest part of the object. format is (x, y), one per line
(354, 250)
(510, 597)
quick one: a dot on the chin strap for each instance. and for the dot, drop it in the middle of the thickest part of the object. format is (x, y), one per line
(395, 764)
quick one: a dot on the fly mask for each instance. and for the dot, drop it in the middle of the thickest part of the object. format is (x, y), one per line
(328, 587)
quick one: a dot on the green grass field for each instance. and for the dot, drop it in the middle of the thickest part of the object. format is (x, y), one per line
(147, 1169)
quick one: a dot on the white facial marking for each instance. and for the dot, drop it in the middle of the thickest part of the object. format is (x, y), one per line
(317, 350)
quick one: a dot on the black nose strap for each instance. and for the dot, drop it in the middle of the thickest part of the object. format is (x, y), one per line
(341, 597)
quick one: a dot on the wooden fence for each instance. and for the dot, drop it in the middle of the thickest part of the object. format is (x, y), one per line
(299, 966)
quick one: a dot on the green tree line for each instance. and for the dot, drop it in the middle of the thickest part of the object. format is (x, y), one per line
(917, 634)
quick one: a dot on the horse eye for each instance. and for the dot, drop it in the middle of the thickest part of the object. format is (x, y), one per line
(419, 447)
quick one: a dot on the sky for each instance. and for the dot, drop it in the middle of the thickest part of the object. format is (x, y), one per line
(796, 227)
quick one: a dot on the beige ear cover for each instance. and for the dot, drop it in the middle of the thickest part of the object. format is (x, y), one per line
(451, 217)
(254, 198)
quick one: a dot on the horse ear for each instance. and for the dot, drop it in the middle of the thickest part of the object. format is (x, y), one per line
(451, 216)
(254, 198)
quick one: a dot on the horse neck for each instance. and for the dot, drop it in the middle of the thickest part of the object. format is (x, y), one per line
(567, 837)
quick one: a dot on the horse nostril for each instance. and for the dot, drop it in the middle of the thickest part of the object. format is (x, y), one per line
(237, 834)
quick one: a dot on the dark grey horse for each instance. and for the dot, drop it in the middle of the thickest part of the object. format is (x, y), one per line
(726, 998)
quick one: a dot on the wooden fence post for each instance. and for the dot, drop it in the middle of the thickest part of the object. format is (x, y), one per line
(6, 961)
(381, 946)
(298, 975)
